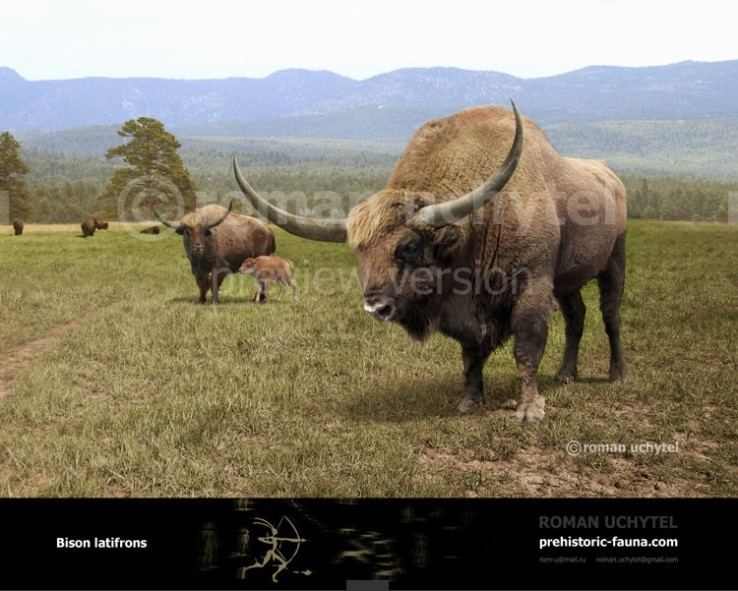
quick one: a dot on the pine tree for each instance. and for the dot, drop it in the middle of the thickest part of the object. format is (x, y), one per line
(13, 171)
(155, 172)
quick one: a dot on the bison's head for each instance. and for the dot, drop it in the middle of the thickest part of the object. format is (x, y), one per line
(247, 267)
(101, 224)
(195, 230)
(404, 241)
(403, 261)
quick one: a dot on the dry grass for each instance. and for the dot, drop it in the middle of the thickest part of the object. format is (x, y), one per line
(157, 396)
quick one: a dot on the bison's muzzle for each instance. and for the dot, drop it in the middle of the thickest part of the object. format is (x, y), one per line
(380, 306)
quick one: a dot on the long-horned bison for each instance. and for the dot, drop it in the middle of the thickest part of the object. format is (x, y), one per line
(18, 227)
(91, 224)
(441, 248)
(217, 241)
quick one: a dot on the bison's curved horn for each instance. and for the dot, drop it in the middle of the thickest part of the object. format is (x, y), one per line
(331, 230)
(222, 219)
(163, 221)
(448, 212)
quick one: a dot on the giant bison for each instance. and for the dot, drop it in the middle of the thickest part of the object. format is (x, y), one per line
(18, 227)
(91, 224)
(217, 241)
(441, 248)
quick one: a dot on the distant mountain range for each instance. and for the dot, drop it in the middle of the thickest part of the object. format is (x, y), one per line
(655, 116)
(324, 104)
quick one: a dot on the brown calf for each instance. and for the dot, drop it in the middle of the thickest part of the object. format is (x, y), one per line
(266, 269)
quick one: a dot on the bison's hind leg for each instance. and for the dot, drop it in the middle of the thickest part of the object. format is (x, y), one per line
(572, 306)
(611, 282)
(293, 285)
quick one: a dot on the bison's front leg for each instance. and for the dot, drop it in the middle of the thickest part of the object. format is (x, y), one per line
(262, 294)
(203, 282)
(530, 318)
(218, 276)
(474, 358)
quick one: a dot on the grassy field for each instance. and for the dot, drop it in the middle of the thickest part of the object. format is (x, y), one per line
(116, 384)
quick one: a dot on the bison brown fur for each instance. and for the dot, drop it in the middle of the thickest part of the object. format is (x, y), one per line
(151, 230)
(482, 241)
(91, 224)
(266, 269)
(217, 241)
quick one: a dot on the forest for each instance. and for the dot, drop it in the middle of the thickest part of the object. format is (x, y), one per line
(65, 188)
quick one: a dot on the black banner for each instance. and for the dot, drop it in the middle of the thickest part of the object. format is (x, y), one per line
(411, 544)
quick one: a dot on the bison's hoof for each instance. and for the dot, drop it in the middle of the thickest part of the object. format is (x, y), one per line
(617, 373)
(532, 411)
(469, 405)
(564, 376)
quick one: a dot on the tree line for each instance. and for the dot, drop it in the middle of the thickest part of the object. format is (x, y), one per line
(149, 167)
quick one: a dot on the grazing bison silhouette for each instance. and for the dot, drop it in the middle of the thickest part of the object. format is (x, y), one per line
(217, 241)
(91, 224)
(151, 230)
(18, 226)
(481, 243)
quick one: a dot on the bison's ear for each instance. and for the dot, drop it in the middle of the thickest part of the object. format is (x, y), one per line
(180, 229)
(447, 241)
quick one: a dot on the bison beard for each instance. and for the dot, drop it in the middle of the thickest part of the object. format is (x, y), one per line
(419, 318)
(560, 220)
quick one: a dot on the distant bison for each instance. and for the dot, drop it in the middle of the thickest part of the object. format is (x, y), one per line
(217, 241)
(91, 224)
(18, 227)
(266, 269)
(151, 230)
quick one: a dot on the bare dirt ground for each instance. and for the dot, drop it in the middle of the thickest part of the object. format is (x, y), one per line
(16, 360)
(20, 358)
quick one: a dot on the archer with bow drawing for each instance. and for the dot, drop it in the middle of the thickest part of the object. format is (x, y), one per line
(275, 554)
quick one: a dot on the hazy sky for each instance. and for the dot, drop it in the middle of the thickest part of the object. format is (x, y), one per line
(216, 39)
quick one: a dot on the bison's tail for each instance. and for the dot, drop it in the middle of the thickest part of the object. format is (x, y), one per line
(272, 244)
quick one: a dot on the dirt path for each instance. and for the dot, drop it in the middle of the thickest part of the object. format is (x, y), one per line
(18, 359)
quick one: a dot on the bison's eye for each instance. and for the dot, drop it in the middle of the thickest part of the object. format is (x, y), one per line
(208, 232)
(410, 251)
